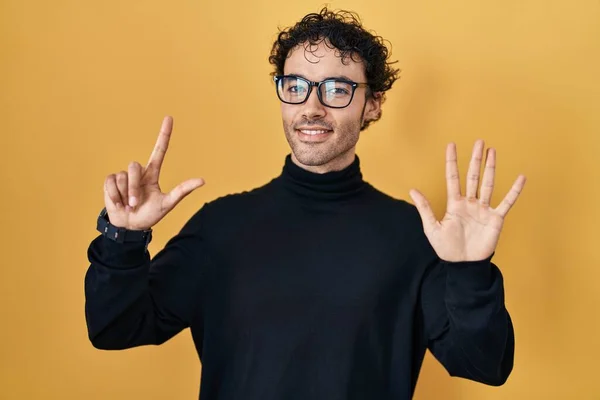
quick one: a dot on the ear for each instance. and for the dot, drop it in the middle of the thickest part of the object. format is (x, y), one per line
(373, 107)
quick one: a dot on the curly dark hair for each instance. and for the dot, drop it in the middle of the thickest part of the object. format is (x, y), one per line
(343, 31)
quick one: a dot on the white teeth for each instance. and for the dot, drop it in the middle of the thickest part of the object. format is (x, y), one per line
(312, 132)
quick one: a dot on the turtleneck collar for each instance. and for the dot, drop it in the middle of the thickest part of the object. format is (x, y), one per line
(333, 185)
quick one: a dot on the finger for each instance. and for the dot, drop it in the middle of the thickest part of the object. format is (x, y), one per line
(487, 183)
(135, 173)
(160, 148)
(180, 191)
(473, 172)
(452, 179)
(512, 196)
(424, 208)
(122, 186)
(112, 192)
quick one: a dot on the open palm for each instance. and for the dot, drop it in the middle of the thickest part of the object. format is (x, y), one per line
(470, 229)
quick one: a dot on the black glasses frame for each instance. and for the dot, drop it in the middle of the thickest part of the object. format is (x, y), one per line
(312, 84)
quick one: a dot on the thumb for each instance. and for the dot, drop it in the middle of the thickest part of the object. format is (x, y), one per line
(424, 208)
(180, 191)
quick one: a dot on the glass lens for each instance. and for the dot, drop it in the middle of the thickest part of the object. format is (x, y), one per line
(336, 93)
(292, 89)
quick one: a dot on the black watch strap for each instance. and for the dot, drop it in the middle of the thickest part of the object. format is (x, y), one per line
(121, 235)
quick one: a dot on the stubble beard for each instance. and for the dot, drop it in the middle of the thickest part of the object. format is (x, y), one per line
(343, 140)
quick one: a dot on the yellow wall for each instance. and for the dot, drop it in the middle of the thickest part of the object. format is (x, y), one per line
(84, 86)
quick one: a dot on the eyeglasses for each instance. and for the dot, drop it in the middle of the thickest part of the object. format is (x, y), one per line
(333, 93)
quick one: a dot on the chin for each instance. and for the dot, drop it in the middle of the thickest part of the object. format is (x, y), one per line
(314, 158)
(310, 160)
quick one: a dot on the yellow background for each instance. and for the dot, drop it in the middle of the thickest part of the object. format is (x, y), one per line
(83, 89)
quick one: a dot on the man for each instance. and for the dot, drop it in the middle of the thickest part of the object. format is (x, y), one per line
(315, 285)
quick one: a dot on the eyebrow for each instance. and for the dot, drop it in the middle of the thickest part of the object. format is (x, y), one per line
(342, 77)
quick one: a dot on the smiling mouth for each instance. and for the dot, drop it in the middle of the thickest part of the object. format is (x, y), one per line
(313, 135)
(314, 131)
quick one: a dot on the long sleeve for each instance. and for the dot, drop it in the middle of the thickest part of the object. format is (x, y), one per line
(467, 325)
(133, 300)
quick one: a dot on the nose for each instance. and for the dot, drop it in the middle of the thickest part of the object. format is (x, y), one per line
(312, 108)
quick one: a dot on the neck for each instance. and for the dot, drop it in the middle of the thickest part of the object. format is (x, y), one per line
(343, 184)
(337, 164)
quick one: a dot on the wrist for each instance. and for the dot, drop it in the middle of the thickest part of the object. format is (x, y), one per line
(122, 234)
(122, 225)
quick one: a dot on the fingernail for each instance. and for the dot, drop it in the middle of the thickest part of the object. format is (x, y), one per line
(132, 201)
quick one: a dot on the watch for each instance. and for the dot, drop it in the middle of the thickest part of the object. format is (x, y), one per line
(121, 235)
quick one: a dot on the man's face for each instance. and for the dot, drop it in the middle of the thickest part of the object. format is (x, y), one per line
(324, 139)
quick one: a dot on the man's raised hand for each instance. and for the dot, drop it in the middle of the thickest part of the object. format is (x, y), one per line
(133, 198)
(470, 228)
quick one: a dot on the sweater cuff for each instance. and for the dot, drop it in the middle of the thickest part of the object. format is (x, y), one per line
(119, 255)
(476, 274)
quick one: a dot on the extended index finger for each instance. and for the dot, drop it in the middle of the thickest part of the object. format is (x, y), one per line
(452, 178)
(162, 144)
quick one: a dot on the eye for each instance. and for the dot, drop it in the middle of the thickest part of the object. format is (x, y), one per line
(296, 89)
(338, 91)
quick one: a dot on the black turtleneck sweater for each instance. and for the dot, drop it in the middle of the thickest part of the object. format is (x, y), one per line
(313, 286)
